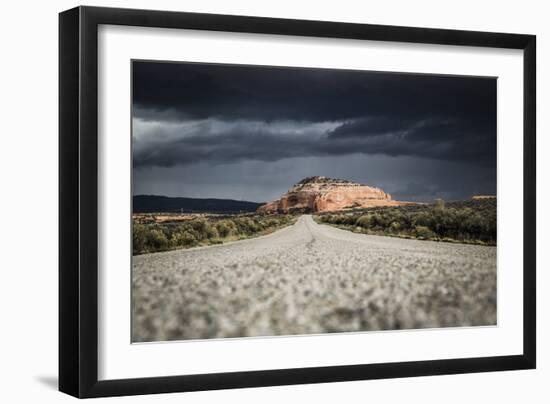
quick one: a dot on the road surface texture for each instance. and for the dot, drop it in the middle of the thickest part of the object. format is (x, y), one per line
(307, 279)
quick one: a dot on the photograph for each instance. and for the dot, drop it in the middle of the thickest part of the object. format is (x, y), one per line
(272, 201)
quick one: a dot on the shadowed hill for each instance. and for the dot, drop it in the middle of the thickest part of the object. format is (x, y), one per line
(156, 203)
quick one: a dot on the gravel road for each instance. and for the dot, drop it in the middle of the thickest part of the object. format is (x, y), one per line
(307, 279)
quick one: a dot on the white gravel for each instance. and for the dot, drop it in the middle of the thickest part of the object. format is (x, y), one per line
(311, 278)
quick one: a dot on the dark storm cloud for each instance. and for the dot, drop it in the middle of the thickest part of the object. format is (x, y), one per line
(198, 91)
(171, 144)
(249, 132)
(266, 113)
(374, 125)
(449, 139)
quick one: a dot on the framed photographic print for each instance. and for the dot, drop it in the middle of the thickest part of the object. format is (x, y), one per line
(251, 201)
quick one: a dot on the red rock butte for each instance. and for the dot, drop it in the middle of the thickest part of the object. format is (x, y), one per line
(323, 194)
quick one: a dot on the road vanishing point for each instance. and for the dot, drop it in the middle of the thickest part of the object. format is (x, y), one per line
(311, 279)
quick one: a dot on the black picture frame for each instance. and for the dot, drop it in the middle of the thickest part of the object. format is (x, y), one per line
(78, 206)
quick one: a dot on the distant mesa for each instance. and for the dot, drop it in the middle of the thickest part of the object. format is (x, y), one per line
(323, 194)
(478, 197)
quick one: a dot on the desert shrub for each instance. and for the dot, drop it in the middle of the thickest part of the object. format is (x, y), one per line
(157, 240)
(199, 228)
(211, 231)
(152, 237)
(226, 228)
(474, 225)
(364, 221)
(223, 229)
(348, 219)
(380, 220)
(424, 232)
(423, 219)
(183, 238)
(139, 238)
(395, 227)
(462, 220)
(246, 225)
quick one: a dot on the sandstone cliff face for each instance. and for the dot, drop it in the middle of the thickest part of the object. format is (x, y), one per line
(321, 194)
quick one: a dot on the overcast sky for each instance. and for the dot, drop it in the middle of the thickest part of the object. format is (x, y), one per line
(250, 132)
